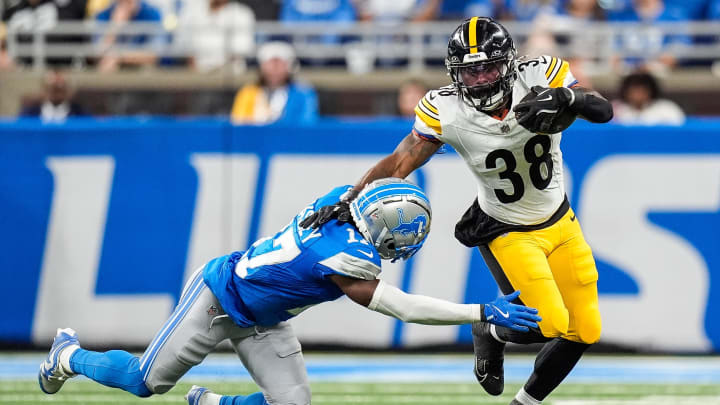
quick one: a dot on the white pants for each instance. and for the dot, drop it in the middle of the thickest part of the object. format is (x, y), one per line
(271, 355)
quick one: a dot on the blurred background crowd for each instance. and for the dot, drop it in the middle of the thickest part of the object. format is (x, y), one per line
(264, 61)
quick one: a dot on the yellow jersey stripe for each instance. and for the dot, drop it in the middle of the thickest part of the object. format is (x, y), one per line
(428, 112)
(550, 69)
(428, 120)
(559, 78)
(429, 106)
(472, 35)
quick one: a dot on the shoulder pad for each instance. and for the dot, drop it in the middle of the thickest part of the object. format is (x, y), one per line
(547, 71)
(427, 111)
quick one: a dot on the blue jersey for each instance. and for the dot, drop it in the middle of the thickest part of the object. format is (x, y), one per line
(279, 277)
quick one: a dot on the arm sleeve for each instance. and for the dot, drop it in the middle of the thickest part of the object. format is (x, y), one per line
(590, 105)
(392, 301)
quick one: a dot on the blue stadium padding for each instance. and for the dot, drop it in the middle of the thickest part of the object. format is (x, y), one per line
(153, 195)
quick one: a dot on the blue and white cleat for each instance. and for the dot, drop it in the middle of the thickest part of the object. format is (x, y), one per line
(52, 375)
(193, 396)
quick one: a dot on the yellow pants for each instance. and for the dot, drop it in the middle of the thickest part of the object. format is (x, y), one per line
(555, 272)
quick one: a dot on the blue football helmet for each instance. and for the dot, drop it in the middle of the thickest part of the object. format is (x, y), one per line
(394, 216)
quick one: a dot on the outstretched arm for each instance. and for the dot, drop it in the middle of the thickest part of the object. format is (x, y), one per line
(389, 300)
(411, 153)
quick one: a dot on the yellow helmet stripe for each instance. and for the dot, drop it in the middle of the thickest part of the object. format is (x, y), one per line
(472, 35)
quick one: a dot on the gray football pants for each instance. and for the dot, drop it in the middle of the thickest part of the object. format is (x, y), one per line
(271, 355)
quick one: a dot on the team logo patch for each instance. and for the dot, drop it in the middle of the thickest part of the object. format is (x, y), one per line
(213, 310)
(416, 226)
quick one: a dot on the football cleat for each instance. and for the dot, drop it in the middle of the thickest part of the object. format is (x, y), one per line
(489, 358)
(52, 375)
(193, 396)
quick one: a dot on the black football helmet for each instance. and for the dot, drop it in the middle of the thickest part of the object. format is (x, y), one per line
(481, 61)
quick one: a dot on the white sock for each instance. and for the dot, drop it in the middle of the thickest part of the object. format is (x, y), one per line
(64, 358)
(209, 398)
(494, 334)
(525, 398)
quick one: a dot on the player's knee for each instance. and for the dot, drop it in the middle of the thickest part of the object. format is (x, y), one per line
(589, 326)
(156, 387)
(297, 395)
(157, 384)
(554, 322)
(135, 384)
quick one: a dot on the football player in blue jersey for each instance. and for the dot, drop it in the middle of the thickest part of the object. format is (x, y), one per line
(247, 297)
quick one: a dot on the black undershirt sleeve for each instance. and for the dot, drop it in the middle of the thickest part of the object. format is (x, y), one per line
(590, 105)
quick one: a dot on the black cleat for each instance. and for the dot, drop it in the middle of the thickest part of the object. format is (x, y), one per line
(489, 358)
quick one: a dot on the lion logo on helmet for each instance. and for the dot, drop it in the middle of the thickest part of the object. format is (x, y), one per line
(416, 226)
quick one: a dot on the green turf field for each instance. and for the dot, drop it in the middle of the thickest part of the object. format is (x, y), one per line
(86, 392)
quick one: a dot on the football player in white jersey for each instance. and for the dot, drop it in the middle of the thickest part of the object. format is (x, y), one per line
(504, 117)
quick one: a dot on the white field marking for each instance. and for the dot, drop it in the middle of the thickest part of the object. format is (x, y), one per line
(650, 400)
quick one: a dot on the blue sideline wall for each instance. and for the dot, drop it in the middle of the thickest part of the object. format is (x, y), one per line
(102, 221)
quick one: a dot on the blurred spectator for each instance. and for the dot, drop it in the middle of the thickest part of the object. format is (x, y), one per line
(277, 96)
(566, 28)
(118, 14)
(640, 103)
(485, 8)
(317, 10)
(713, 10)
(644, 39)
(398, 10)
(56, 105)
(205, 32)
(94, 7)
(314, 11)
(26, 16)
(519, 10)
(408, 97)
(264, 10)
(6, 62)
(693, 9)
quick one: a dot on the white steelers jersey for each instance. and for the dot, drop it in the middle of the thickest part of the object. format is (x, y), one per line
(519, 173)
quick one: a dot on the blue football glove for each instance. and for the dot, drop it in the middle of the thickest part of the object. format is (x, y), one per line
(503, 312)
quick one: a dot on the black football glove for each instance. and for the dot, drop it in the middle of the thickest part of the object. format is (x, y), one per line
(538, 110)
(339, 211)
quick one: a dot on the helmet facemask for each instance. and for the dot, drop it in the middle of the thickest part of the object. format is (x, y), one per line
(484, 85)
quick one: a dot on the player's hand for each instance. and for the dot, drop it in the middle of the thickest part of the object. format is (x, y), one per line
(503, 312)
(339, 211)
(538, 109)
